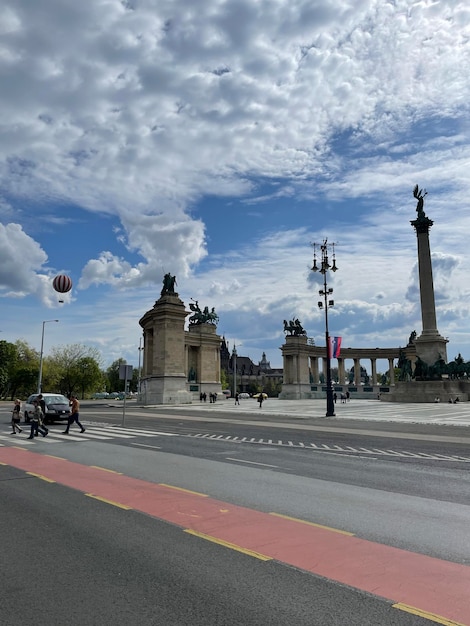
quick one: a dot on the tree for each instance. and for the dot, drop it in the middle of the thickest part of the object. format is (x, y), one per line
(8, 360)
(114, 383)
(224, 379)
(20, 363)
(68, 365)
(88, 375)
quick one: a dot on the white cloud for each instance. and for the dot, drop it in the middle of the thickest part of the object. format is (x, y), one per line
(139, 110)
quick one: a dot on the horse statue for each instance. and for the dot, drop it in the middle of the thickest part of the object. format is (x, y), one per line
(421, 370)
(294, 328)
(213, 317)
(202, 317)
(404, 366)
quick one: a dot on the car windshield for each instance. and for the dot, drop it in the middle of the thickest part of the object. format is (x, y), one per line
(56, 400)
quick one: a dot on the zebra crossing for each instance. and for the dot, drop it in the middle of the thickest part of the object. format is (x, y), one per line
(111, 432)
(333, 448)
(92, 433)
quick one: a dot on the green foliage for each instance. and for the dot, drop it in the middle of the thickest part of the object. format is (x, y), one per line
(224, 380)
(71, 369)
(113, 382)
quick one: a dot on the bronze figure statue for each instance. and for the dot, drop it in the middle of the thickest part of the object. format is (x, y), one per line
(419, 195)
(202, 317)
(169, 283)
(294, 328)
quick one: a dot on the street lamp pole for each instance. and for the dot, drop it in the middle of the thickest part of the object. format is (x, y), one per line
(42, 351)
(139, 372)
(326, 293)
(234, 361)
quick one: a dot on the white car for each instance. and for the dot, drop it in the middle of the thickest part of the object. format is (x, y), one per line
(57, 407)
(244, 395)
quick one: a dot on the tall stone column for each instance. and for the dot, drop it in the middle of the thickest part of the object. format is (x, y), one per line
(164, 380)
(341, 374)
(373, 365)
(357, 372)
(430, 345)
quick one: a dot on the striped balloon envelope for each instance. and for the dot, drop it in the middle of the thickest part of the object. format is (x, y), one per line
(62, 283)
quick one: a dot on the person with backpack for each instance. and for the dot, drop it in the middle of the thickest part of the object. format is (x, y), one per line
(37, 422)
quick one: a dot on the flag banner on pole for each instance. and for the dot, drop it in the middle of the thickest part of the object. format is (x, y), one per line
(335, 347)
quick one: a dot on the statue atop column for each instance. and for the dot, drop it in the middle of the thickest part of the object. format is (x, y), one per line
(202, 317)
(419, 195)
(294, 328)
(169, 283)
(422, 223)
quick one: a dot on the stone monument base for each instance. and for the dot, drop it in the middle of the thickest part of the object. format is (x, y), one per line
(164, 390)
(428, 391)
(296, 391)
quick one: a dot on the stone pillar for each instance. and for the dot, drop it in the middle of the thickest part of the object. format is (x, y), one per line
(204, 346)
(164, 380)
(391, 371)
(296, 383)
(373, 367)
(430, 345)
(314, 367)
(341, 373)
(357, 372)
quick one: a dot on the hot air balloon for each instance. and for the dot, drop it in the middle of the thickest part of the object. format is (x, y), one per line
(62, 283)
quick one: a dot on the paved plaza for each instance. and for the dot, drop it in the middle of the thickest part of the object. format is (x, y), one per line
(366, 410)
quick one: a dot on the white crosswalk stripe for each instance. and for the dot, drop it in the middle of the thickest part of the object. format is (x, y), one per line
(92, 433)
(336, 449)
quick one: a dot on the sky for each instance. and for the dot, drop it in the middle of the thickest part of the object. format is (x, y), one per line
(217, 140)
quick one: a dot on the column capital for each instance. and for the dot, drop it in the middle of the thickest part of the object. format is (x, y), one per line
(422, 224)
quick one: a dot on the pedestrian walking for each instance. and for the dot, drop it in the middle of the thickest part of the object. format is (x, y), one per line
(42, 403)
(237, 398)
(16, 417)
(74, 415)
(335, 397)
(37, 422)
(260, 399)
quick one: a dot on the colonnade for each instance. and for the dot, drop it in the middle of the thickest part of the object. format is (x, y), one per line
(303, 364)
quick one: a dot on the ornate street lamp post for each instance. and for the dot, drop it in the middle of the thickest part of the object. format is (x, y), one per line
(140, 348)
(234, 365)
(326, 293)
(42, 350)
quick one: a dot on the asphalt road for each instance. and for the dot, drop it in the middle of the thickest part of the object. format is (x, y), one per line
(119, 567)
(69, 559)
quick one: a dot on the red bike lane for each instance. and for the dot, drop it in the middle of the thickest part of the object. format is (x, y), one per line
(433, 588)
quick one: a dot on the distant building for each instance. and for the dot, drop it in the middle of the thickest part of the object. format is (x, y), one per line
(251, 377)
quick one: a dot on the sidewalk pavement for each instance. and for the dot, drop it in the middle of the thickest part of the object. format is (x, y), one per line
(355, 409)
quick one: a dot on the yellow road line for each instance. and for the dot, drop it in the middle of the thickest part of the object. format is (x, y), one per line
(48, 480)
(105, 469)
(302, 521)
(227, 544)
(3, 463)
(121, 506)
(195, 493)
(430, 616)
(51, 456)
